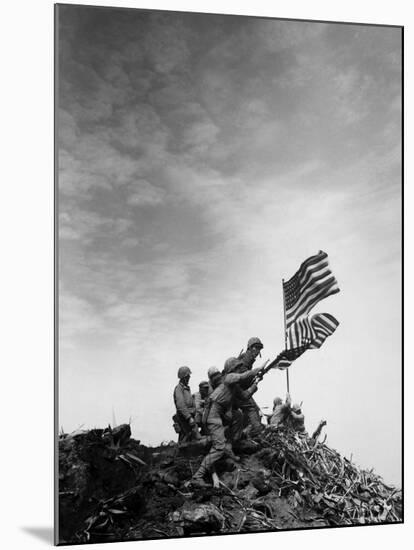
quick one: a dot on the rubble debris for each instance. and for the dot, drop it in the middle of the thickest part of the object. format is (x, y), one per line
(91, 470)
(117, 489)
(118, 436)
(203, 518)
(321, 479)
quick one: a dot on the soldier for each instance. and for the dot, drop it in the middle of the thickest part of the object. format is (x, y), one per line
(184, 403)
(199, 400)
(221, 415)
(281, 412)
(254, 347)
(248, 406)
(215, 378)
(286, 414)
(297, 419)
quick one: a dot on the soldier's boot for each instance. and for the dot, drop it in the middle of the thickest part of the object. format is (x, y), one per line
(198, 478)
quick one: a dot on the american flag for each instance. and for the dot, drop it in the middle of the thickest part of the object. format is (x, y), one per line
(311, 332)
(312, 282)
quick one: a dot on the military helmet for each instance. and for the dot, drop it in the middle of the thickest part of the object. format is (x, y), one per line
(183, 372)
(254, 341)
(231, 364)
(212, 371)
(203, 384)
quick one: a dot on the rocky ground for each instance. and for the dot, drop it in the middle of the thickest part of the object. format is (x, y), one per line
(113, 488)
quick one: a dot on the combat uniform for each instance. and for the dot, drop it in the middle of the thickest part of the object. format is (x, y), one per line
(245, 402)
(280, 414)
(297, 419)
(221, 415)
(200, 401)
(184, 403)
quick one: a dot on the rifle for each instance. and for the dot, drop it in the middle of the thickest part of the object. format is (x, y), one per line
(269, 366)
(284, 360)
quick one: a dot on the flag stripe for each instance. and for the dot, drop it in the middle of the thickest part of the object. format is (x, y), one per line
(310, 290)
(325, 291)
(321, 335)
(312, 274)
(311, 332)
(300, 334)
(304, 282)
(312, 264)
(313, 282)
(326, 323)
(319, 293)
(312, 260)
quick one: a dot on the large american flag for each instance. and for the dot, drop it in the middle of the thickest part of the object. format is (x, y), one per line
(312, 283)
(311, 332)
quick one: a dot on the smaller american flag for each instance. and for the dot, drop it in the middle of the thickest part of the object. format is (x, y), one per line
(286, 358)
(311, 331)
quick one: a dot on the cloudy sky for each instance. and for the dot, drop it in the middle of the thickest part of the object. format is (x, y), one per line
(201, 159)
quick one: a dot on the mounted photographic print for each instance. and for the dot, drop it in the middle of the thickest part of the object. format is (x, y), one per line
(228, 274)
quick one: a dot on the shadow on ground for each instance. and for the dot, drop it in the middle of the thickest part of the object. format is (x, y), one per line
(43, 533)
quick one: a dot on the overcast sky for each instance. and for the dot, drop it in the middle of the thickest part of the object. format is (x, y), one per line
(201, 160)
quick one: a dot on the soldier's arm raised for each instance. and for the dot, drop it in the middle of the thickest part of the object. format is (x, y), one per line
(246, 394)
(235, 377)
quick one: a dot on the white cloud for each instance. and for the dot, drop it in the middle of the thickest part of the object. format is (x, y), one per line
(143, 194)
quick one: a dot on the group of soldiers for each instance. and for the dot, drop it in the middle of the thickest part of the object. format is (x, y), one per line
(223, 411)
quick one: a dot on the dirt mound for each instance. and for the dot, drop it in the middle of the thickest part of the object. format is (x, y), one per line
(113, 488)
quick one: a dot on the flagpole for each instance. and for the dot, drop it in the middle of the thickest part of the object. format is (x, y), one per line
(284, 319)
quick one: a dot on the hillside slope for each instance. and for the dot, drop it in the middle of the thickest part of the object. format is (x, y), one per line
(113, 488)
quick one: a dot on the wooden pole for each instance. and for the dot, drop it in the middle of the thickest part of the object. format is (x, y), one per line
(287, 380)
(284, 319)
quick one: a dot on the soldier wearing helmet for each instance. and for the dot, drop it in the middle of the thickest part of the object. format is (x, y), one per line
(215, 378)
(254, 347)
(184, 373)
(288, 415)
(248, 405)
(222, 421)
(184, 403)
(281, 412)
